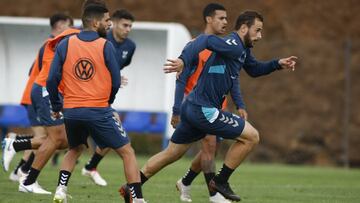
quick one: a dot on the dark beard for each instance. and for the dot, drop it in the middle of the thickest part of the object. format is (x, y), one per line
(247, 41)
(102, 32)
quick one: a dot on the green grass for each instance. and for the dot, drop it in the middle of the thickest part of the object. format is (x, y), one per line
(258, 183)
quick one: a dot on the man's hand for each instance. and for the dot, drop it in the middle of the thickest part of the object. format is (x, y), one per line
(242, 113)
(56, 115)
(124, 81)
(173, 65)
(288, 63)
(175, 120)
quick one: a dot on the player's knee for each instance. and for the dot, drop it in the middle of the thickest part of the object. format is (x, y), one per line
(173, 154)
(41, 139)
(60, 142)
(126, 151)
(102, 152)
(250, 137)
(58, 135)
(209, 146)
(63, 145)
(40, 136)
(208, 154)
(254, 137)
(129, 151)
(78, 150)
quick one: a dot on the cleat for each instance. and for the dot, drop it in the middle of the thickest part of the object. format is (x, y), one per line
(218, 198)
(33, 188)
(136, 200)
(22, 176)
(8, 152)
(14, 176)
(95, 176)
(225, 190)
(61, 194)
(126, 194)
(184, 191)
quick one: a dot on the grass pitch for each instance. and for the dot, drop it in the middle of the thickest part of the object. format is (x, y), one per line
(258, 183)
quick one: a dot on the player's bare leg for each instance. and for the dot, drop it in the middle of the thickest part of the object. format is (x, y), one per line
(67, 167)
(90, 168)
(171, 154)
(13, 146)
(237, 152)
(56, 140)
(132, 175)
(203, 161)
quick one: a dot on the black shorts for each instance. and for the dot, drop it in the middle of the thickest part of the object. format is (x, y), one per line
(106, 132)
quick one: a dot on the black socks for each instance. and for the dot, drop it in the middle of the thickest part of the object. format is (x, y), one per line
(64, 177)
(224, 174)
(93, 162)
(189, 177)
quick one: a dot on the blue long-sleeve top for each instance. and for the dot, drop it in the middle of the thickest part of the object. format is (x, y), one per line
(124, 50)
(181, 85)
(222, 70)
(55, 76)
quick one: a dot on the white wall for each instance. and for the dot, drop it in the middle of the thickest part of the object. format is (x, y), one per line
(146, 89)
(18, 47)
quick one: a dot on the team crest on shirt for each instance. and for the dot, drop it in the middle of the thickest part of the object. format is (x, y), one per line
(124, 54)
(242, 57)
(84, 69)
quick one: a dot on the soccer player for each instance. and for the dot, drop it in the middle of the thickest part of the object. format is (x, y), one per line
(86, 67)
(201, 112)
(58, 22)
(55, 129)
(56, 138)
(215, 18)
(122, 21)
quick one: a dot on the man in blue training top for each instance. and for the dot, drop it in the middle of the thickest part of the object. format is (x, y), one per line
(122, 21)
(201, 113)
(122, 24)
(215, 18)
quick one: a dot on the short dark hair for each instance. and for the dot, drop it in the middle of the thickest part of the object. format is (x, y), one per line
(91, 12)
(122, 14)
(60, 17)
(210, 9)
(93, 2)
(248, 18)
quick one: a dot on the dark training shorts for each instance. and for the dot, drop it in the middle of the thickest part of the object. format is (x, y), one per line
(31, 114)
(197, 122)
(106, 132)
(41, 104)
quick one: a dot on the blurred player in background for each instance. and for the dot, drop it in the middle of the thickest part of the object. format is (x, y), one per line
(55, 129)
(58, 22)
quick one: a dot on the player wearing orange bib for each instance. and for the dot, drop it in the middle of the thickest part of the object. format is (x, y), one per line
(86, 66)
(122, 21)
(59, 22)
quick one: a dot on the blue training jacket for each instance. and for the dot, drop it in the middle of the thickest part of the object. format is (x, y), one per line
(223, 67)
(124, 50)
